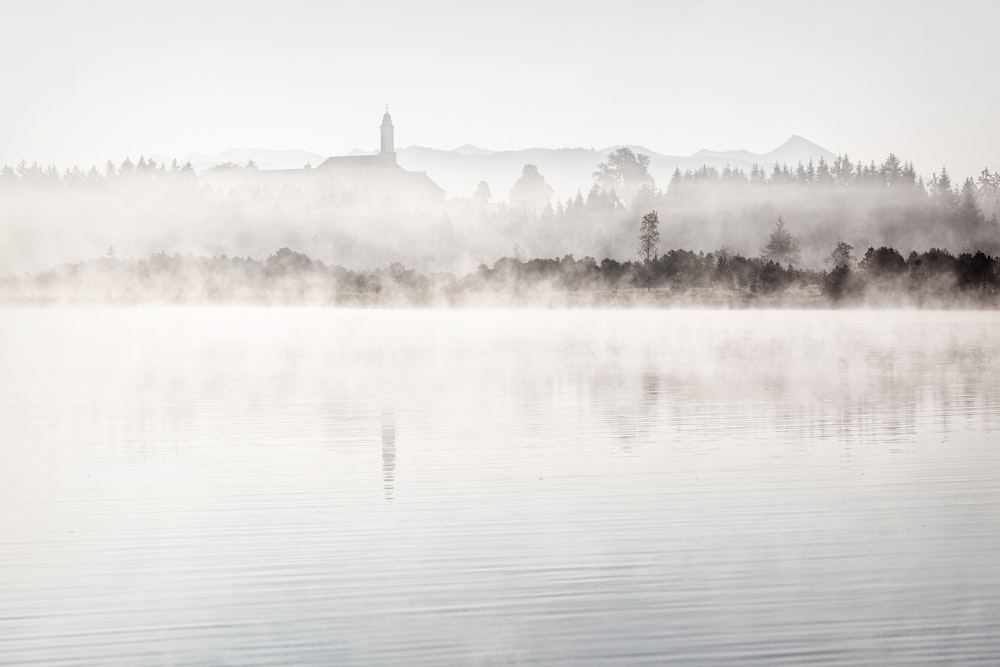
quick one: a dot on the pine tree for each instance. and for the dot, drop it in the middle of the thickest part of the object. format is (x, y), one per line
(781, 246)
(941, 189)
(843, 169)
(892, 170)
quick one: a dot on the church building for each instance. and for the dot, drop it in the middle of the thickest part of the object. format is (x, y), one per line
(385, 158)
(379, 177)
(369, 181)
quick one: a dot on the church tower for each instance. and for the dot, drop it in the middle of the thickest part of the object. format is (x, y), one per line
(388, 152)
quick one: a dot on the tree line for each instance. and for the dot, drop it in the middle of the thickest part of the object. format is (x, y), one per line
(888, 203)
(36, 176)
(145, 206)
(933, 278)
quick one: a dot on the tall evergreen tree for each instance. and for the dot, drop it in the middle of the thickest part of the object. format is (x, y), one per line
(941, 189)
(823, 174)
(781, 246)
(892, 170)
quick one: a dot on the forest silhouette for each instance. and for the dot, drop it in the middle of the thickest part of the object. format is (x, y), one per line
(881, 276)
(783, 233)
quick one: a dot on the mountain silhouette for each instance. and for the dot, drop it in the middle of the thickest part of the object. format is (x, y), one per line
(567, 170)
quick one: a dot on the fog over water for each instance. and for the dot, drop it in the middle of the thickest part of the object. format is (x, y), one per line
(316, 486)
(341, 333)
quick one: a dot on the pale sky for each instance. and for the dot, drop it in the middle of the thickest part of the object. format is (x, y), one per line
(87, 81)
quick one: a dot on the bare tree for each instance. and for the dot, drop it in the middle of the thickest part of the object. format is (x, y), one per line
(649, 241)
(649, 237)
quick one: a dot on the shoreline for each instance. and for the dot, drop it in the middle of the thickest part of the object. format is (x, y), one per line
(611, 300)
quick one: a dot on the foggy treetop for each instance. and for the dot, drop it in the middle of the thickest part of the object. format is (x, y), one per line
(142, 207)
(935, 278)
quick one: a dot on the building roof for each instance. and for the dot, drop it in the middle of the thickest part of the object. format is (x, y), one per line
(355, 161)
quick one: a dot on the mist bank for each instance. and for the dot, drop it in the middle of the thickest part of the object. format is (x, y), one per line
(880, 277)
(49, 217)
(459, 170)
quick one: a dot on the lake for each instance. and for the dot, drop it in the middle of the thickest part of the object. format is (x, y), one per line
(230, 486)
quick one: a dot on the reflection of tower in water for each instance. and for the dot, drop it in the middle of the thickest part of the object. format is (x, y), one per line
(388, 452)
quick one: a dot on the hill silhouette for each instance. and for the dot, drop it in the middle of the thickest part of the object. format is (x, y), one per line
(567, 170)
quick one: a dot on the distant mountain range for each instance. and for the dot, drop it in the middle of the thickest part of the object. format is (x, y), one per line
(567, 170)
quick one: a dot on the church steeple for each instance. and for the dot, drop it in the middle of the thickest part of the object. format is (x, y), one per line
(388, 151)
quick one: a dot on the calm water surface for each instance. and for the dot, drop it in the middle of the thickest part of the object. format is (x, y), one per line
(312, 487)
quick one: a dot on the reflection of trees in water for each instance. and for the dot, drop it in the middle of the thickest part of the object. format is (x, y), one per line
(879, 387)
(630, 405)
(634, 425)
(701, 383)
(388, 452)
(650, 390)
